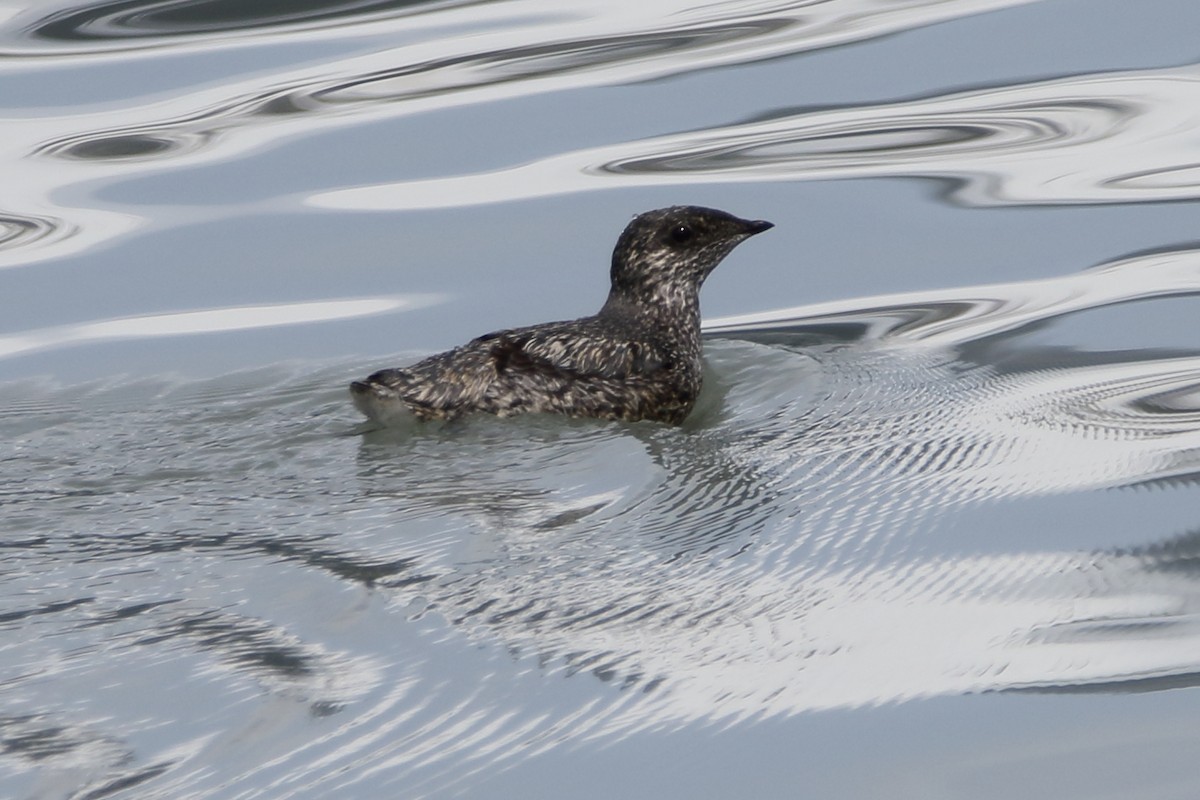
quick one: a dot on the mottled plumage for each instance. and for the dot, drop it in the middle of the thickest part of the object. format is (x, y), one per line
(637, 358)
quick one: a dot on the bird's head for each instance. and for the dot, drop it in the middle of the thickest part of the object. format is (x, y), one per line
(668, 252)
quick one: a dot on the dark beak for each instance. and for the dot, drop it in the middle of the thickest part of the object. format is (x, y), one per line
(754, 226)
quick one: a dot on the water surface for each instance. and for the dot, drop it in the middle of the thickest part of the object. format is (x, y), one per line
(931, 530)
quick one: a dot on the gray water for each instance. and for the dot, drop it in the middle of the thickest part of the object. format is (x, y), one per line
(931, 532)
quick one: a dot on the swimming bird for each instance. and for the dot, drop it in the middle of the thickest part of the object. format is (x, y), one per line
(638, 358)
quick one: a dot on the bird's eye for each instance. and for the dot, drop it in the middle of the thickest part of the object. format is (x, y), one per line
(681, 234)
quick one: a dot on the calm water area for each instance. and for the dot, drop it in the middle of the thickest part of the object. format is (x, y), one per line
(933, 530)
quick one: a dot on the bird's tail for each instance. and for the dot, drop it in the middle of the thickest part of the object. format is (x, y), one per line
(378, 396)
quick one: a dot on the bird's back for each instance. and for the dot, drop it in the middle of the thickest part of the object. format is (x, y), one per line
(590, 367)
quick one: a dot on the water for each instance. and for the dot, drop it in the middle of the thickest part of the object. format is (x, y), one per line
(930, 532)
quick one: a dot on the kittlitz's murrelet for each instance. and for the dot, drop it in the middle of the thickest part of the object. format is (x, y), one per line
(638, 358)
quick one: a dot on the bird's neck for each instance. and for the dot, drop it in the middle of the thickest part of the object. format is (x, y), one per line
(672, 309)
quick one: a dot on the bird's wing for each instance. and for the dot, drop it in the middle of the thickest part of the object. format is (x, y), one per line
(574, 353)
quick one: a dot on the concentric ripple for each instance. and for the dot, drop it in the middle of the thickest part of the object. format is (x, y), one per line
(18, 231)
(770, 557)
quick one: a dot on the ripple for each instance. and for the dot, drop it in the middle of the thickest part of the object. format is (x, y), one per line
(601, 46)
(27, 239)
(770, 557)
(352, 614)
(813, 578)
(119, 21)
(16, 231)
(119, 24)
(955, 317)
(40, 740)
(419, 57)
(124, 147)
(1102, 138)
(538, 60)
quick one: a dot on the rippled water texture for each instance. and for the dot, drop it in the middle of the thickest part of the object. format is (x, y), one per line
(931, 531)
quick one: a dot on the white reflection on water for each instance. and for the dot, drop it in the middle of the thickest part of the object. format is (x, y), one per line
(213, 320)
(209, 589)
(406, 61)
(771, 557)
(767, 562)
(950, 317)
(100, 28)
(1103, 138)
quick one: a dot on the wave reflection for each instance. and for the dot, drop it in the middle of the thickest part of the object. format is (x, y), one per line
(1103, 138)
(25, 231)
(213, 320)
(389, 59)
(953, 317)
(119, 21)
(844, 521)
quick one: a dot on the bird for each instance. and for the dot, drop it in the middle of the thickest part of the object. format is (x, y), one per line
(637, 358)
